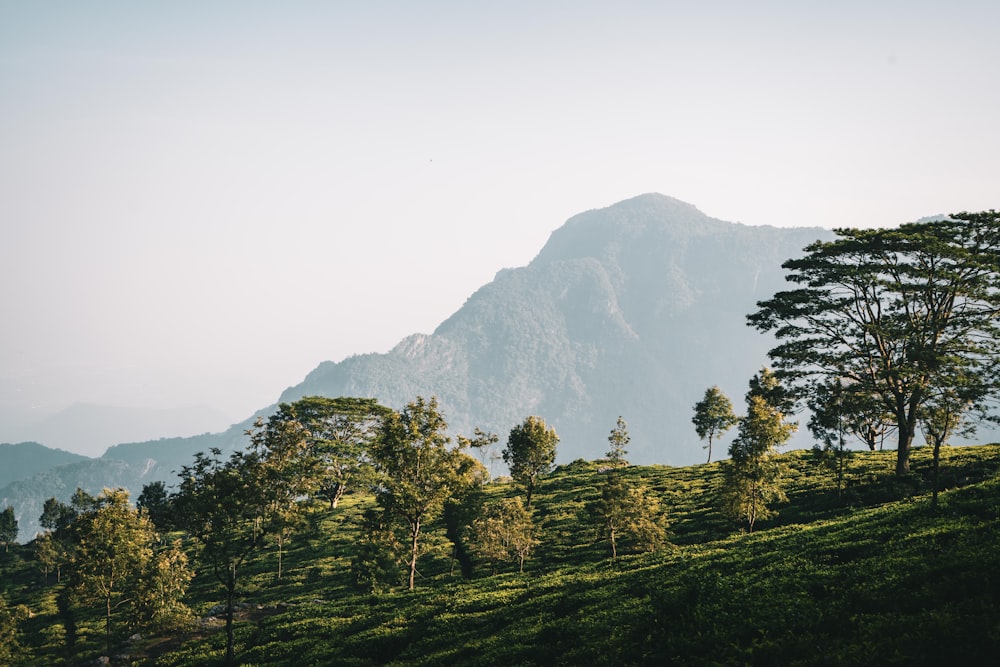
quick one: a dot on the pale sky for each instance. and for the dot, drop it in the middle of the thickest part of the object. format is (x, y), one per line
(201, 201)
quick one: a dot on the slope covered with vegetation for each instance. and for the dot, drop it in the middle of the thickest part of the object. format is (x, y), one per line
(858, 571)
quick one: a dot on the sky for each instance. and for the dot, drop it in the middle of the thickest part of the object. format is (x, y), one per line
(202, 201)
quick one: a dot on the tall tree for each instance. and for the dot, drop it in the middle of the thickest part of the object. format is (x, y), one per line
(530, 452)
(713, 415)
(222, 505)
(8, 528)
(618, 440)
(894, 312)
(418, 470)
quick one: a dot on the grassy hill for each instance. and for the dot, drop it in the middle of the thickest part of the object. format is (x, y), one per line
(867, 574)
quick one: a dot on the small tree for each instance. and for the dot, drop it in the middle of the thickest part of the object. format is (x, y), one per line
(12, 651)
(114, 549)
(155, 501)
(713, 415)
(751, 478)
(483, 442)
(504, 533)
(530, 452)
(50, 554)
(161, 588)
(8, 528)
(618, 441)
(626, 513)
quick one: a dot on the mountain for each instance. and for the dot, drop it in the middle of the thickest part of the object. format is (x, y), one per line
(630, 310)
(30, 458)
(90, 429)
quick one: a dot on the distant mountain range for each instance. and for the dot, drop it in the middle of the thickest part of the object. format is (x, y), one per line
(631, 310)
(90, 429)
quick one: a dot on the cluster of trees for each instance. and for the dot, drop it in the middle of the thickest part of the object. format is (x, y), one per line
(116, 561)
(888, 331)
(751, 478)
(893, 330)
(223, 510)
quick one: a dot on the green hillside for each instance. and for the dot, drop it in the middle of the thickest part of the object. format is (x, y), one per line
(870, 574)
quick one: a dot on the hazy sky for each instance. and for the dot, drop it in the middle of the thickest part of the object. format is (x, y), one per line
(201, 201)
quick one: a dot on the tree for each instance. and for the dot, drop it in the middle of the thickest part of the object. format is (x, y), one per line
(161, 588)
(11, 650)
(221, 504)
(288, 471)
(8, 528)
(417, 470)
(504, 533)
(483, 442)
(340, 433)
(713, 415)
(751, 477)
(114, 548)
(947, 411)
(155, 501)
(51, 555)
(530, 452)
(625, 513)
(56, 515)
(618, 440)
(893, 312)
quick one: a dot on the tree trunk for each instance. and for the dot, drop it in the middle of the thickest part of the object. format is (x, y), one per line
(230, 603)
(107, 625)
(413, 553)
(937, 461)
(709, 448)
(338, 493)
(903, 449)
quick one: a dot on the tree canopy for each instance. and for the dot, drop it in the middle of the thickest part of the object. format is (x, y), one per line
(530, 452)
(713, 415)
(893, 313)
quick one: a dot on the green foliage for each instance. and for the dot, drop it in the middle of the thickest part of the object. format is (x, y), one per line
(713, 415)
(339, 434)
(504, 533)
(114, 564)
(8, 528)
(625, 513)
(752, 475)
(11, 649)
(417, 470)
(895, 314)
(530, 452)
(870, 576)
(618, 441)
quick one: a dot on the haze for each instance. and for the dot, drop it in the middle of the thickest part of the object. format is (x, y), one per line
(202, 201)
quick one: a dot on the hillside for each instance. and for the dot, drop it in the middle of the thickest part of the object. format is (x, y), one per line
(632, 310)
(22, 460)
(869, 575)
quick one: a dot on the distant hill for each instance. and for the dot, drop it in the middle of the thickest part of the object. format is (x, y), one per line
(90, 429)
(631, 310)
(22, 460)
